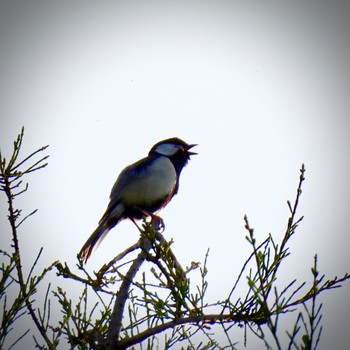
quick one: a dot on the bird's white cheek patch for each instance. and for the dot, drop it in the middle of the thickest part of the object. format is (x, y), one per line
(168, 149)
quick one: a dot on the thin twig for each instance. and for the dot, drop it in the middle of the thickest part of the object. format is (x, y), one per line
(120, 256)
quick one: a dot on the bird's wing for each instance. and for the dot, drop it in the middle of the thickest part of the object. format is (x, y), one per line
(130, 174)
(144, 182)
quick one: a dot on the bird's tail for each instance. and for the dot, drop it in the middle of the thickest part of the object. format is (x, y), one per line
(110, 218)
(93, 242)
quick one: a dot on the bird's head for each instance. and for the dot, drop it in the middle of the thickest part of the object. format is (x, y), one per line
(176, 150)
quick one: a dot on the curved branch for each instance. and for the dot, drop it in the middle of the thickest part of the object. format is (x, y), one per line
(122, 296)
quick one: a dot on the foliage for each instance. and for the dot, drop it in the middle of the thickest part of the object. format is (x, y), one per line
(144, 292)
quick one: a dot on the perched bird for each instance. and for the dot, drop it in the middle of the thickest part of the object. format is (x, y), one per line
(142, 189)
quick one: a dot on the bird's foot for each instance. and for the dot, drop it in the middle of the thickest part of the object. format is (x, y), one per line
(157, 223)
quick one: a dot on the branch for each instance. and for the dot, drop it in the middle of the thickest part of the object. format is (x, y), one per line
(199, 320)
(120, 256)
(315, 290)
(122, 296)
(9, 174)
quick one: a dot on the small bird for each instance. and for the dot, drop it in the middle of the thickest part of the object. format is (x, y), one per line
(142, 189)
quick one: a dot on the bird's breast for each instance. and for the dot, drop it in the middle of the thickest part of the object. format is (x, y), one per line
(155, 182)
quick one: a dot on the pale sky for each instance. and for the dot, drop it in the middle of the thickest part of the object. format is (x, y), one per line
(261, 86)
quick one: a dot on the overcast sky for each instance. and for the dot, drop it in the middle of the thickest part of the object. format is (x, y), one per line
(261, 86)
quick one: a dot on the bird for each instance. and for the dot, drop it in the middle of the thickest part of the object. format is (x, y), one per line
(142, 189)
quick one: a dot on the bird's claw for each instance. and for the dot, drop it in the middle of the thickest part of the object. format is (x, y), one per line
(157, 223)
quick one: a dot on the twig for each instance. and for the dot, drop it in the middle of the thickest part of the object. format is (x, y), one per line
(120, 256)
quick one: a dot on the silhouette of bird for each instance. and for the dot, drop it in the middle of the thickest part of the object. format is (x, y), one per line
(142, 189)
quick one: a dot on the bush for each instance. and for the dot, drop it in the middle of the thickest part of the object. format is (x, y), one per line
(144, 293)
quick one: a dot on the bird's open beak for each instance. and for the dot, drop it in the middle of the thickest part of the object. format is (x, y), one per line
(189, 147)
